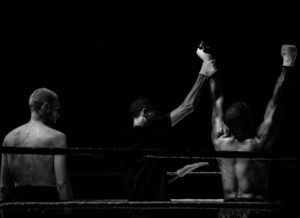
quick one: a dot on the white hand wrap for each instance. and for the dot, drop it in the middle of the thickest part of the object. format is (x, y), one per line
(208, 68)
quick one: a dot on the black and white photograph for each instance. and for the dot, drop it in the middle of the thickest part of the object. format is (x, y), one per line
(150, 111)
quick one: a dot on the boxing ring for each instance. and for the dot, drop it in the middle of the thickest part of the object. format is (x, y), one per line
(179, 205)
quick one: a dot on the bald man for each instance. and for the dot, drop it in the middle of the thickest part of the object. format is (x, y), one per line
(32, 177)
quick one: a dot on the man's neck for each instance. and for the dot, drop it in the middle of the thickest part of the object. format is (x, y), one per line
(36, 118)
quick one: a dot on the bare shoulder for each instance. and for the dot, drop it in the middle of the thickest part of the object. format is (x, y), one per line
(58, 138)
(252, 141)
(13, 135)
(251, 144)
(224, 143)
(56, 133)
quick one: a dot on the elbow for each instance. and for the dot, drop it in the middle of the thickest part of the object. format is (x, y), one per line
(181, 112)
(189, 107)
(62, 184)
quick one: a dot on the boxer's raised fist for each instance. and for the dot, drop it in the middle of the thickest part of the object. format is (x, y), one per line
(204, 51)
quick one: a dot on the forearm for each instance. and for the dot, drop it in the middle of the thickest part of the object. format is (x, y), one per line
(277, 95)
(207, 70)
(190, 102)
(193, 97)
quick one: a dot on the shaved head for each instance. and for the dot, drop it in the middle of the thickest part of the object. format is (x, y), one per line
(238, 118)
(41, 96)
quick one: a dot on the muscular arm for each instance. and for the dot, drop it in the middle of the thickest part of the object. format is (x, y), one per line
(271, 114)
(266, 131)
(62, 181)
(6, 182)
(218, 127)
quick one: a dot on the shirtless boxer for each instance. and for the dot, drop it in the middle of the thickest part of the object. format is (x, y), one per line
(242, 178)
(31, 177)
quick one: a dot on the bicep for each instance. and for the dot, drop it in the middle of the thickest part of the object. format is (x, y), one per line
(219, 129)
(264, 130)
(60, 163)
(60, 168)
(269, 126)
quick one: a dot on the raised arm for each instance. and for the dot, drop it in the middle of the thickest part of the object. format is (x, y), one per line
(219, 129)
(191, 100)
(266, 129)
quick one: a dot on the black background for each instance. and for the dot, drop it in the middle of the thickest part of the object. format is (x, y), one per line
(99, 60)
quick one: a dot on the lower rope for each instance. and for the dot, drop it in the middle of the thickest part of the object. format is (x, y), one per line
(148, 205)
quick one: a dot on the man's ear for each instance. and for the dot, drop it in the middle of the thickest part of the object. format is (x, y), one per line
(46, 107)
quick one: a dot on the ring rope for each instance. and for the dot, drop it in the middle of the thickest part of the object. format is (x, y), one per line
(198, 173)
(115, 174)
(149, 205)
(152, 153)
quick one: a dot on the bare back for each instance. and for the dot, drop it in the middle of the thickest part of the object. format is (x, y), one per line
(32, 169)
(242, 177)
